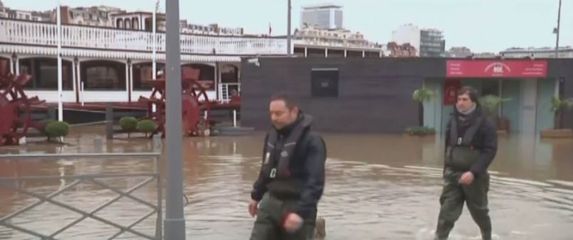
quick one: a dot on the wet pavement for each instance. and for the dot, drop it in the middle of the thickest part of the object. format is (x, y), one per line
(378, 187)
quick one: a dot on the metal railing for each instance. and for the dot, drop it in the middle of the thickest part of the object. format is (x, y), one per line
(95, 179)
(81, 37)
(225, 90)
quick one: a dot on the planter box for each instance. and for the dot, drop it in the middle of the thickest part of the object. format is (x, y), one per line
(557, 133)
(420, 135)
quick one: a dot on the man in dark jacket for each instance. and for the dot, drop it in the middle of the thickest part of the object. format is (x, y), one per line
(291, 179)
(471, 145)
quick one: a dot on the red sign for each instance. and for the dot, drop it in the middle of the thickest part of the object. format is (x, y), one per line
(496, 68)
(451, 87)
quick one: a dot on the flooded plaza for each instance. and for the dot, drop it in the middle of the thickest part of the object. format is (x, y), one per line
(377, 187)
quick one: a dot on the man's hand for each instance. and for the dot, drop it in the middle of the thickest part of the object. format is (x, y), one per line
(292, 223)
(467, 178)
(253, 207)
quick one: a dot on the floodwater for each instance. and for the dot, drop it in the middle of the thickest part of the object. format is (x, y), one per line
(377, 187)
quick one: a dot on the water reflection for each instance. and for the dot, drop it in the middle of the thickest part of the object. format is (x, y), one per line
(378, 186)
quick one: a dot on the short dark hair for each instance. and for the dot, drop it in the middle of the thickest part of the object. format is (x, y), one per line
(290, 102)
(470, 91)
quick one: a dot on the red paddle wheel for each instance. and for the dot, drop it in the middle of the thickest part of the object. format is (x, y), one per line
(16, 109)
(195, 104)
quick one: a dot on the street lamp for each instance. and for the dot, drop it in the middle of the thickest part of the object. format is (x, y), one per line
(174, 223)
(154, 35)
(59, 51)
(556, 31)
(289, 37)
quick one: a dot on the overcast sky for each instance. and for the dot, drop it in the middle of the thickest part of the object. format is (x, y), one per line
(481, 25)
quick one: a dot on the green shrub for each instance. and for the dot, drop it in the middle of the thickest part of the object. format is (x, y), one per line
(128, 124)
(490, 104)
(56, 129)
(422, 95)
(146, 126)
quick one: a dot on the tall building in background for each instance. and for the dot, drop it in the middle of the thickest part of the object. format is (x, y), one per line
(321, 33)
(322, 16)
(432, 43)
(427, 42)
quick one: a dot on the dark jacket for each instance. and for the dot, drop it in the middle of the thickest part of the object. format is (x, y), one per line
(485, 139)
(303, 178)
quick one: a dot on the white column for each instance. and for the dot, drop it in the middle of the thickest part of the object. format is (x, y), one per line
(345, 53)
(305, 52)
(326, 52)
(59, 28)
(130, 79)
(332, 20)
(141, 22)
(81, 84)
(74, 78)
(154, 27)
(234, 117)
(17, 66)
(127, 78)
(217, 81)
(12, 65)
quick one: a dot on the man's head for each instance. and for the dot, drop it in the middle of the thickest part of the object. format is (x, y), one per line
(467, 99)
(283, 110)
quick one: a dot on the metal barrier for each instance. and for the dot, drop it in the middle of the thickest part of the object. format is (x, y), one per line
(96, 179)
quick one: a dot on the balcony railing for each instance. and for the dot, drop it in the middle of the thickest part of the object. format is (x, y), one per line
(74, 36)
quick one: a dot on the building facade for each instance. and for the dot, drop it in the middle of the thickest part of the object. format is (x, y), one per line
(427, 42)
(310, 41)
(367, 95)
(109, 64)
(323, 16)
(432, 43)
(546, 52)
(107, 53)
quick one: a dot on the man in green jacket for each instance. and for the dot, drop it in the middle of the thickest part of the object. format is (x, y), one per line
(291, 180)
(471, 145)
